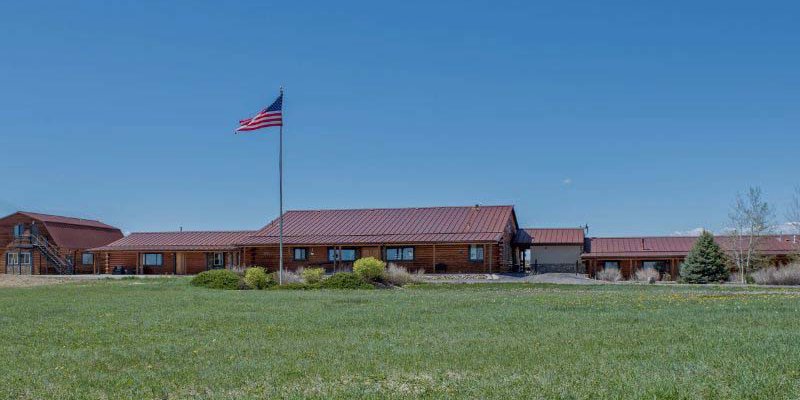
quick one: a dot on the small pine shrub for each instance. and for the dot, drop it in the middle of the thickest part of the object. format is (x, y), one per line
(217, 279)
(345, 280)
(313, 275)
(369, 269)
(647, 275)
(257, 278)
(609, 274)
(706, 262)
(786, 275)
(398, 276)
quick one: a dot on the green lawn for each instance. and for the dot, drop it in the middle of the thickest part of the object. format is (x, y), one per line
(165, 339)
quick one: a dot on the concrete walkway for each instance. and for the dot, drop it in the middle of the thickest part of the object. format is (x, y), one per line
(558, 278)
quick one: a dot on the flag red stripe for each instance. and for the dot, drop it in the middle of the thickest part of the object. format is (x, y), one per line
(259, 116)
(254, 127)
(265, 118)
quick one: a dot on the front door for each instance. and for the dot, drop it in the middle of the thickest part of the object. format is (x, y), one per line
(180, 263)
(371, 252)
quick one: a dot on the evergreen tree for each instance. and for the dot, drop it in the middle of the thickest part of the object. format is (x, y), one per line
(706, 262)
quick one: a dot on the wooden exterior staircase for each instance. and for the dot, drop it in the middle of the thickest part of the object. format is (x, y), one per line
(48, 250)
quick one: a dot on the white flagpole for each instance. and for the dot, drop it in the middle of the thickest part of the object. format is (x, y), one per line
(280, 219)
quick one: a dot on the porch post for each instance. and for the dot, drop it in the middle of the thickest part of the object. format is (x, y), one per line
(433, 263)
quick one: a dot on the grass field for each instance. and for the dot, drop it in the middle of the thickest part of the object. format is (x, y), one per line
(159, 338)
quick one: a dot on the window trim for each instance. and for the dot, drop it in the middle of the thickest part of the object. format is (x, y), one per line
(339, 251)
(214, 259)
(9, 256)
(401, 253)
(29, 257)
(21, 228)
(160, 259)
(483, 253)
(305, 254)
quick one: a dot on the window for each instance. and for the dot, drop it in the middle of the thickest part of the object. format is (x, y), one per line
(24, 258)
(87, 259)
(19, 229)
(343, 254)
(399, 254)
(611, 264)
(658, 265)
(300, 254)
(475, 252)
(218, 260)
(12, 259)
(152, 260)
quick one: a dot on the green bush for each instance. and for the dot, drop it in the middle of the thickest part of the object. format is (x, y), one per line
(313, 275)
(257, 278)
(298, 286)
(345, 280)
(369, 269)
(217, 279)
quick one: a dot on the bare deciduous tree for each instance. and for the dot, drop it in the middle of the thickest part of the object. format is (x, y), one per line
(751, 219)
(793, 217)
(793, 212)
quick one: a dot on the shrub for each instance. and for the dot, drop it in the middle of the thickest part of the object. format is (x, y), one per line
(298, 286)
(369, 268)
(786, 275)
(667, 277)
(398, 276)
(345, 280)
(288, 277)
(706, 262)
(217, 279)
(609, 274)
(257, 278)
(647, 275)
(313, 275)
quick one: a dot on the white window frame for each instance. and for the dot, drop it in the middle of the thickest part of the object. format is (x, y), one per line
(25, 258)
(12, 259)
(218, 259)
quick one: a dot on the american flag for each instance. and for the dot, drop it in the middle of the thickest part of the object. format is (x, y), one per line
(270, 116)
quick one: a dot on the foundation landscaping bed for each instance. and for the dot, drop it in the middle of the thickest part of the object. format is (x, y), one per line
(165, 339)
(368, 273)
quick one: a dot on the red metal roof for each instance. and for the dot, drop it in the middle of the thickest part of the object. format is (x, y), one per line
(665, 246)
(550, 236)
(177, 241)
(75, 233)
(389, 225)
(81, 237)
(66, 220)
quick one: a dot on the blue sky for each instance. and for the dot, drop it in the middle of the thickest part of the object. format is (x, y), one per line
(633, 117)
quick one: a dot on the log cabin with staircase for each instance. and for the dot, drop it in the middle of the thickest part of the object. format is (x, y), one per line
(39, 244)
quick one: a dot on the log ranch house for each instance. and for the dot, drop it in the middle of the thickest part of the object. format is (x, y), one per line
(472, 239)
